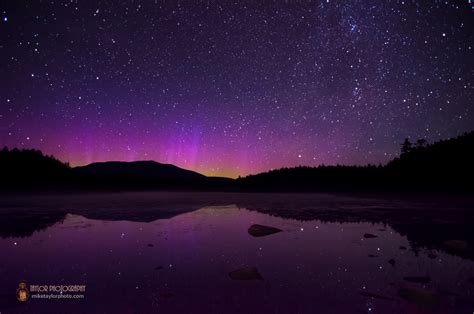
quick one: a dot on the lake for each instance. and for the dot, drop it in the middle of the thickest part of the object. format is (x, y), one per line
(194, 253)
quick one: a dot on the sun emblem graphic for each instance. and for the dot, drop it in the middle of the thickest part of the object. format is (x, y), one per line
(22, 293)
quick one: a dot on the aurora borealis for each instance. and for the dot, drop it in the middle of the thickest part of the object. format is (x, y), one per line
(234, 88)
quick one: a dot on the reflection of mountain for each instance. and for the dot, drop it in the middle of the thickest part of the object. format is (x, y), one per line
(426, 223)
(137, 214)
(21, 216)
(454, 238)
(24, 223)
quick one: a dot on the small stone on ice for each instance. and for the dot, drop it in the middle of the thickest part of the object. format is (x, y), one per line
(246, 273)
(261, 230)
(369, 236)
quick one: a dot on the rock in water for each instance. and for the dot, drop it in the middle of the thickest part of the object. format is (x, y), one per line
(369, 236)
(419, 296)
(391, 261)
(247, 273)
(417, 279)
(261, 231)
(375, 295)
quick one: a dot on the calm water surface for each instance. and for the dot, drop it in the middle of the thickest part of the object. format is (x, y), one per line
(181, 264)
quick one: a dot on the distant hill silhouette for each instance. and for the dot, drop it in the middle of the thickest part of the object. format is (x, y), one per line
(446, 165)
(137, 168)
(142, 175)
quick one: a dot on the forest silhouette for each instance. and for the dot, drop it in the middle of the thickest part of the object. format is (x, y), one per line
(446, 165)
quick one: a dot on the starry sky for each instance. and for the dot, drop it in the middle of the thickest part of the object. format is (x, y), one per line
(233, 88)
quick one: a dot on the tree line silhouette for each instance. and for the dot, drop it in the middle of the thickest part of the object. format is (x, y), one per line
(30, 167)
(446, 165)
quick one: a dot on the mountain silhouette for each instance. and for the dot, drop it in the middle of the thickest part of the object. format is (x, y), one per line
(144, 169)
(142, 175)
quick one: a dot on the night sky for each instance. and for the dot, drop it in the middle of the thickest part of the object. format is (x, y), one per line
(234, 88)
